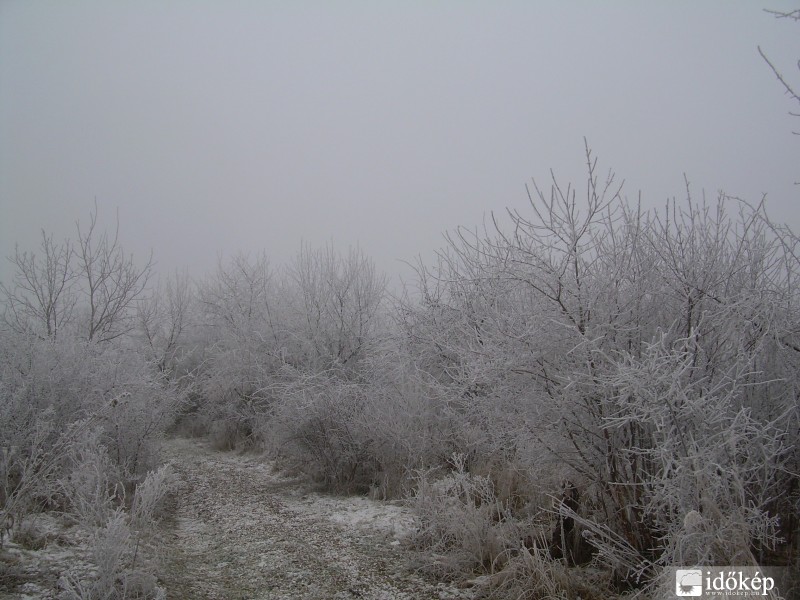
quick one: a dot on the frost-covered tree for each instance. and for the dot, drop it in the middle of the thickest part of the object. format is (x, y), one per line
(90, 285)
(651, 356)
(789, 87)
(41, 297)
(109, 280)
(164, 318)
(267, 330)
(242, 333)
(336, 300)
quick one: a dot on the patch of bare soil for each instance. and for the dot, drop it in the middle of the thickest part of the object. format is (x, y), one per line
(240, 532)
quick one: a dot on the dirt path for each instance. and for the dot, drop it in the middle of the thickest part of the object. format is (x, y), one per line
(242, 532)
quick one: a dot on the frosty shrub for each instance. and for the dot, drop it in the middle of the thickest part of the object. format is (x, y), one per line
(92, 485)
(72, 380)
(532, 574)
(110, 545)
(114, 580)
(318, 429)
(649, 358)
(241, 334)
(709, 467)
(28, 468)
(268, 329)
(134, 423)
(148, 503)
(80, 423)
(409, 419)
(366, 436)
(36, 431)
(462, 526)
(28, 535)
(116, 545)
(135, 407)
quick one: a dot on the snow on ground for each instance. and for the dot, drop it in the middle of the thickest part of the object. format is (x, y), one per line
(391, 519)
(35, 572)
(242, 531)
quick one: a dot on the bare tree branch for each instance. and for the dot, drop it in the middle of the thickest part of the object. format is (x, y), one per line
(111, 281)
(41, 297)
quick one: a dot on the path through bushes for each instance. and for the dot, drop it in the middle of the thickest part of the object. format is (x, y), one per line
(240, 531)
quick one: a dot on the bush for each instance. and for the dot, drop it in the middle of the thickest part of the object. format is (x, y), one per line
(116, 546)
(318, 429)
(93, 486)
(29, 536)
(463, 526)
(55, 391)
(650, 358)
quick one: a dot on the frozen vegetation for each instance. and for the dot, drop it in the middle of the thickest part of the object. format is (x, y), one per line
(566, 403)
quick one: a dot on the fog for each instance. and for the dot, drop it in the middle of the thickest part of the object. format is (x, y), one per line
(575, 408)
(222, 126)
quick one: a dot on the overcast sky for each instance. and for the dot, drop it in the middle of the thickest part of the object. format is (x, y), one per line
(222, 126)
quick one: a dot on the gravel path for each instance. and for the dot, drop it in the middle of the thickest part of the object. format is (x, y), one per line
(242, 532)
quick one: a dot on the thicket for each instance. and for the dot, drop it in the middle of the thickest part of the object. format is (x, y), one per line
(83, 408)
(647, 359)
(571, 398)
(583, 384)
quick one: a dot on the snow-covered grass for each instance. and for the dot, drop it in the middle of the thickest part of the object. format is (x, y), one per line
(64, 556)
(33, 574)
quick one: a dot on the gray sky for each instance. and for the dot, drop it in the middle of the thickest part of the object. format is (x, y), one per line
(222, 126)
